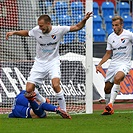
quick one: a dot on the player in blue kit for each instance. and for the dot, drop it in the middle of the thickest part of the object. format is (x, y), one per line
(32, 108)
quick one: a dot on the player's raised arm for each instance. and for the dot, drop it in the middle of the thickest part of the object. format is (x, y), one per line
(19, 33)
(81, 24)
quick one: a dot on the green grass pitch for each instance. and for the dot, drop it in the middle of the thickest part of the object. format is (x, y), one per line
(120, 122)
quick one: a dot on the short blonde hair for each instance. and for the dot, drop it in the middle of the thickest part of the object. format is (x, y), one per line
(117, 18)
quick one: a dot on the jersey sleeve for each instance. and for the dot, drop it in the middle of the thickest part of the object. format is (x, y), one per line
(109, 47)
(64, 29)
(32, 31)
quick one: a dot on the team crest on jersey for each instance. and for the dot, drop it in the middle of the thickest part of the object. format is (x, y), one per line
(53, 36)
(123, 40)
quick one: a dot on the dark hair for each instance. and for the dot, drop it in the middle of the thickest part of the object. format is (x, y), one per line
(118, 18)
(45, 17)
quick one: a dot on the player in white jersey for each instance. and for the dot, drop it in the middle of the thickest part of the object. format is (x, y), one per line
(47, 61)
(119, 45)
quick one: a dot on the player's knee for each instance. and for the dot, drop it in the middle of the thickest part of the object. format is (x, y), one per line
(56, 85)
(117, 79)
(30, 87)
(107, 90)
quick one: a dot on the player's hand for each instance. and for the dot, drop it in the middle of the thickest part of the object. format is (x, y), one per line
(9, 34)
(98, 68)
(88, 15)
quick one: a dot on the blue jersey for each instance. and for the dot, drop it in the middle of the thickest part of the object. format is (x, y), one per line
(21, 107)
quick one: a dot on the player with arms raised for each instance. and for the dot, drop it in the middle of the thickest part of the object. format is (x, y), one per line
(47, 61)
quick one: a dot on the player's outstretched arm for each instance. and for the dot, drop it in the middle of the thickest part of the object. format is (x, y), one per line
(82, 23)
(19, 33)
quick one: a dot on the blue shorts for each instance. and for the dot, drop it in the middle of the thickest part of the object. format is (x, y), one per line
(20, 112)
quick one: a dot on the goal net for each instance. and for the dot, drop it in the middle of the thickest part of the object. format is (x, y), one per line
(17, 54)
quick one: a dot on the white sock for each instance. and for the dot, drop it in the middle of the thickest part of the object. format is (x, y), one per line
(107, 98)
(39, 97)
(61, 100)
(114, 92)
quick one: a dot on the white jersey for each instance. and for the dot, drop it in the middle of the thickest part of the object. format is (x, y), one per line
(121, 46)
(47, 47)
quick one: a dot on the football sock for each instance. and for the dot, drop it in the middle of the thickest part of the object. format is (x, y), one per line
(48, 107)
(39, 97)
(36, 109)
(107, 98)
(114, 92)
(61, 100)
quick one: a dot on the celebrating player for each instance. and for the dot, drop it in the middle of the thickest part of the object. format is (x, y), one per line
(119, 45)
(47, 61)
(32, 108)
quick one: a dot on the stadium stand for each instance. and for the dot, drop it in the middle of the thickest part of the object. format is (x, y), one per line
(127, 21)
(109, 31)
(81, 35)
(95, 8)
(77, 9)
(78, 18)
(65, 20)
(108, 22)
(61, 8)
(69, 37)
(123, 8)
(97, 21)
(99, 35)
(107, 8)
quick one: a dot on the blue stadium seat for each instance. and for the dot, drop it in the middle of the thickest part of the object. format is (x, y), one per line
(65, 20)
(107, 9)
(76, 8)
(81, 35)
(69, 37)
(54, 20)
(78, 18)
(97, 21)
(61, 8)
(99, 35)
(127, 21)
(95, 8)
(108, 22)
(109, 31)
(123, 8)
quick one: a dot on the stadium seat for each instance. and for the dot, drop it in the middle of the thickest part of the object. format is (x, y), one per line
(109, 31)
(76, 8)
(61, 8)
(54, 20)
(123, 8)
(81, 35)
(107, 9)
(69, 37)
(78, 18)
(97, 21)
(99, 35)
(65, 20)
(108, 22)
(127, 21)
(95, 8)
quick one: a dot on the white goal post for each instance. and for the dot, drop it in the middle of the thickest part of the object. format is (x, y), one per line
(17, 54)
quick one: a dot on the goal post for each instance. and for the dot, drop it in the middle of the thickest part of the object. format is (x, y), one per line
(17, 54)
(89, 59)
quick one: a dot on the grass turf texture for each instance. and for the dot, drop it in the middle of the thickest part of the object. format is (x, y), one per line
(120, 122)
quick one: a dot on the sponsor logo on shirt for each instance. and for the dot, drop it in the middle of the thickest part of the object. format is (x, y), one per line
(53, 36)
(123, 40)
(48, 44)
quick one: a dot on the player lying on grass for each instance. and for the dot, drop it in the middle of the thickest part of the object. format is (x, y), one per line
(33, 108)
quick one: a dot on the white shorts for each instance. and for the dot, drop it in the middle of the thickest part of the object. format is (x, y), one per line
(39, 71)
(113, 70)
